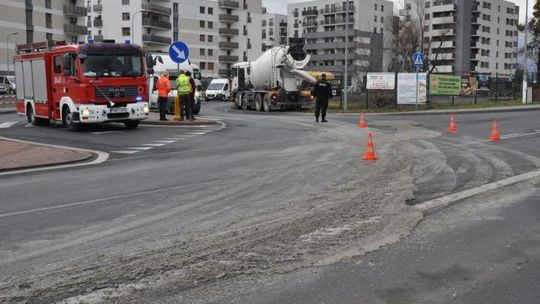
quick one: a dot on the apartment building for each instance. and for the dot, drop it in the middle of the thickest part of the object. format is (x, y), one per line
(143, 22)
(465, 36)
(273, 30)
(325, 24)
(31, 21)
(219, 33)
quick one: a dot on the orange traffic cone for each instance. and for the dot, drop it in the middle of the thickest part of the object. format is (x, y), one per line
(370, 150)
(495, 136)
(362, 124)
(452, 127)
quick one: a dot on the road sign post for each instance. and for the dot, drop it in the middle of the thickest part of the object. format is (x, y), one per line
(179, 53)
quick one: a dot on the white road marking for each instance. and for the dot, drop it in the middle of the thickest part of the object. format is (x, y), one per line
(105, 132)
(29, 125)
(196, 133)
(508, 136)
(125, 152)
(165, 141)
(446, 200)
(154, 145)
(175, 138)
(140, 148)
(8, 124)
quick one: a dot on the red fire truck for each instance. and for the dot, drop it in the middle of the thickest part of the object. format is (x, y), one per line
(81, 84)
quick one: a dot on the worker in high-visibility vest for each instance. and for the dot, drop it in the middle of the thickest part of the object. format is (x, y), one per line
(163, 87)
(184, 89)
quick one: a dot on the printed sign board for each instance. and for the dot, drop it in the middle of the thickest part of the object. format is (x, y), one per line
(444, 85)
(381, 81)
(412, 88)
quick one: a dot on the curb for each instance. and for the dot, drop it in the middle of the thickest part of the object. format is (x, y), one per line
(437, 204)
(97, 156)
(8, 111)
(463, 111)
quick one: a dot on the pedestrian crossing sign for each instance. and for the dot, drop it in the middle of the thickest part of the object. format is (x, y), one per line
(418, 60)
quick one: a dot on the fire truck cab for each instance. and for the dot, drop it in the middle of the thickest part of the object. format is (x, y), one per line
(82, 84)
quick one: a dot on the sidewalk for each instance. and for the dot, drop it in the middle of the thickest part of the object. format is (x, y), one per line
(153, 119)
(19, 155)
(521, 108)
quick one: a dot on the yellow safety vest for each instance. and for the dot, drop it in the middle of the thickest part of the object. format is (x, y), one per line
(182, 85)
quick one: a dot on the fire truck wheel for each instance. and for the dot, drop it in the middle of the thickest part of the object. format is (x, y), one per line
(36, 121)
(132, 124)
(67, 119)
(266, 103)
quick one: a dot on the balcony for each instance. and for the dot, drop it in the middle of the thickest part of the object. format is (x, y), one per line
(228, 31)
(228, 45)
(228, 4)
(75, 30)
(228, 58)
(98, 8)
(311, 12)
(156, 23)
(337, 10)
(155, 39)
(150, 7)
(283, 24)
(75, 11)
(228, 18)
(98, 22)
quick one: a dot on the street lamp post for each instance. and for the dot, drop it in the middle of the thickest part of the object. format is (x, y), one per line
(7, 50)
(525, 90)
(132, 26)
(346, 80)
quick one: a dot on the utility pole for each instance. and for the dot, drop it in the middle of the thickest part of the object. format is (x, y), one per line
(7, 51)
(526, 70)
(346, 80)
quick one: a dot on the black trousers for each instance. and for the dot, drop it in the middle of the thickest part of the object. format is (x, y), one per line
(321, 105)
(185, 101)
(162, 105)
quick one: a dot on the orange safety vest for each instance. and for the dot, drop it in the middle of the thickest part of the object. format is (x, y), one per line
(163, 86)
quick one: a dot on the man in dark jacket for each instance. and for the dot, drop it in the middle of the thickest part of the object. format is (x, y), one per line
(322, 91)
(191, 105)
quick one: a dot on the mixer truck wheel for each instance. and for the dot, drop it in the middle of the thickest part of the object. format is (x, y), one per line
(266, 103)
(258, 103)
(245, 106)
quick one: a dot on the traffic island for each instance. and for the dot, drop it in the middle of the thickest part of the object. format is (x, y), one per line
(16, 155)
(153, 119)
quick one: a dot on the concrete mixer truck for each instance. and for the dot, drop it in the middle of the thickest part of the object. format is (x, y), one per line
(272, 81)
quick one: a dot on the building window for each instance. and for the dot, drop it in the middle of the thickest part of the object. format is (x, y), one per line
(175, 8)
(210, 24)
(201, 38)
(48, 20)
(210, 66)
(126, 31)
(125, 16)
(48, 4)
(210, 52)
(48, 36)
(125, 2)
(210, 38)
(202, 10)
(202, 52)
(382, 8)
(210, 11)
(375, 17)
(201, 24)
(202, 66)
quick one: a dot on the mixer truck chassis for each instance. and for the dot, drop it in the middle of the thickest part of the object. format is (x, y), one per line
(272, 100)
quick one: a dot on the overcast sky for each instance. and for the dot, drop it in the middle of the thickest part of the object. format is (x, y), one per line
(279, 6)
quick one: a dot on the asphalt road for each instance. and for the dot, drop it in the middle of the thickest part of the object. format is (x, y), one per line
(197, 181)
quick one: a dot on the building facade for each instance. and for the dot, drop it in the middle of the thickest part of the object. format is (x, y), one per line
(32, 21)
(219, 33)
(273, 30)
(464, 36)
(325, 24)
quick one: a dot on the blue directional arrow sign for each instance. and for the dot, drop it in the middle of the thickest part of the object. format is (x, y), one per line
(418, 60)
(179, 52)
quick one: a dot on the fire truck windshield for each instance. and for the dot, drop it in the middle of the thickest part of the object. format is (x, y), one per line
(111, 65)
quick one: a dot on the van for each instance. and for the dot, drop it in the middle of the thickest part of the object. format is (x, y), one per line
(7, 85)
(218, 89)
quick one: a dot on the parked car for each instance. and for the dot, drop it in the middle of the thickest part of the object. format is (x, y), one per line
(7, 85)
(218, 89)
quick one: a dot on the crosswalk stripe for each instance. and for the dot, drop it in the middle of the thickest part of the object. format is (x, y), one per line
(125, 152)
(154, 145)
(7, 124)
(140, 148)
